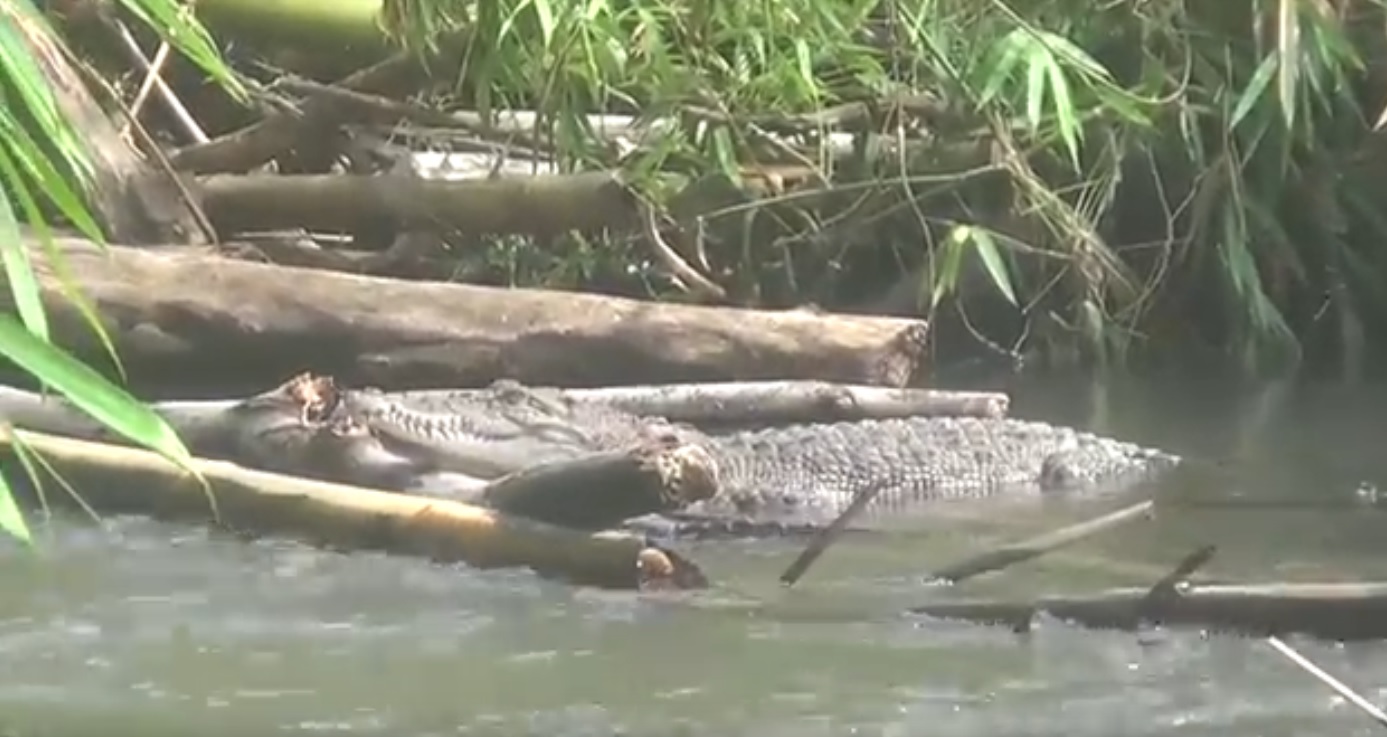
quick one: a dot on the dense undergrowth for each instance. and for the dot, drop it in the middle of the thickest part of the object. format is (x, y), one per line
(1111, 180)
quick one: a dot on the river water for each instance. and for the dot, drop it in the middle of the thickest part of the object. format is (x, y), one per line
(147, 628)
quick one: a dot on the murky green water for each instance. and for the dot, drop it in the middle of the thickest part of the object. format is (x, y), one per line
(152, 629)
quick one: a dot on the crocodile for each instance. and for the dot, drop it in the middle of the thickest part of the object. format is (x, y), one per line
(794, 476)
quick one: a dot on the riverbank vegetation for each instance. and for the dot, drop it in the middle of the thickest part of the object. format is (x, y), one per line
(1060, 182)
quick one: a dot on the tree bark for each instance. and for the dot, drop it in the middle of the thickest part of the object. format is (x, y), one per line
(188, 320)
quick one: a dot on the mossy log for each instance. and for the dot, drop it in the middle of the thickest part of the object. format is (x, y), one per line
(113, 479)
(1336, 611)
(186, 317)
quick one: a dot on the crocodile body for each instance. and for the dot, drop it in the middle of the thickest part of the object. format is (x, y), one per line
(798, 476)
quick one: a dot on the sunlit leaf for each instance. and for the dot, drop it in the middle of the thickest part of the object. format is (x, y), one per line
(986, 248)
(18, 271)
(949, 266)
(1288, 56)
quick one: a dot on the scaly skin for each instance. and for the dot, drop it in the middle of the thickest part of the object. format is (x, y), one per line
(801, 475)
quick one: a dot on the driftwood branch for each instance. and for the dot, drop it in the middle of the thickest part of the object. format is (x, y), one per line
(113, 479)
(1339, 611)
(180, 313)
(781, 402)
(542, 206)
(1018, 552)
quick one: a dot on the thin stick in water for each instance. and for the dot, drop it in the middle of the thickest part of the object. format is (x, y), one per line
(829, 534)
(1291, 654)
(1017, 552)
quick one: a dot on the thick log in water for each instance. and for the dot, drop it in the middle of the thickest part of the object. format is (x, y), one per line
(762, 403)
(1335, 611)
(187, 316)
(113, 479)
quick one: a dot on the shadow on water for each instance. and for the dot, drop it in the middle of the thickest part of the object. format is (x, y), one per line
(154, 629)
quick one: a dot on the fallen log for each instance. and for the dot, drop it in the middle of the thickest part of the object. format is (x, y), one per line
(541, 206)
(604, 490)
(187, 318)
(112, 479)
(762, 403)
(1335, 611)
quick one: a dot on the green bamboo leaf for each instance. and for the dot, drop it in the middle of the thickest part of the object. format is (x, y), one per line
(18, 271)
(1037, 65)
(545, 13)
(1009, 56)
(89, 391)
(509, 22)
(1066, 116)
(1288, 56)
(55, 186)
(22, 72)
(46, 176)
(11, 518)
(1066, 49)
(1255, 87)
(806, 65)
(950, 264)
(986, 248)
(725, 153)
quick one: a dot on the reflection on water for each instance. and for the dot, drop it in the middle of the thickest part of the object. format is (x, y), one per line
(156, 629)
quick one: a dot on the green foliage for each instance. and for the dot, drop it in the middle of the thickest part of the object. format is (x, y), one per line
(1244, 119)
(29, 172)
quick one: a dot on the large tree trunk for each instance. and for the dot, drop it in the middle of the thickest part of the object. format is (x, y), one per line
(186, 319)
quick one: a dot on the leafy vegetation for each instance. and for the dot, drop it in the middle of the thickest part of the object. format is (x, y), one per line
(1132, 175)
(57, 173)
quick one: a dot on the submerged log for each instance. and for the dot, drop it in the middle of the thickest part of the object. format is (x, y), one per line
(1336, 611)
(113, 479)
(763, 403)
(186, 316)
